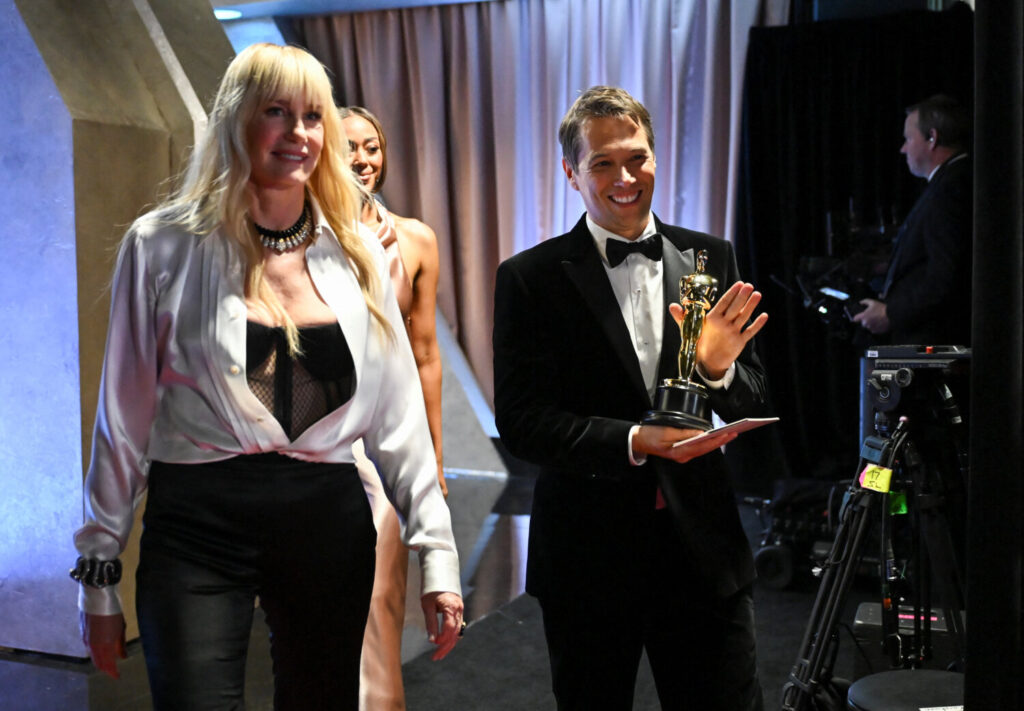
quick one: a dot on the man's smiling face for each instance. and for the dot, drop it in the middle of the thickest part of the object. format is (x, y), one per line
(615, 174)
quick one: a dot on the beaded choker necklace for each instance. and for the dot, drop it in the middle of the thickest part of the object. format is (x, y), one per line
(280, 240)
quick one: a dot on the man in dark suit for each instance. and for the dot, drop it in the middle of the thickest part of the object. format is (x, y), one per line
(926, 297)
(634, 545)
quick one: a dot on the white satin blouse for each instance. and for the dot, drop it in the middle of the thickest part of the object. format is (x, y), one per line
(174, 389)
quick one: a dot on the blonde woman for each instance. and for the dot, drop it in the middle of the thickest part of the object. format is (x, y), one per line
(249, 347)
(411, 249)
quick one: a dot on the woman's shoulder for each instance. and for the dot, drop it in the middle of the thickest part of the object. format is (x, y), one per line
(414, 232)
(369, 238)
(158, 238)
(156, 224)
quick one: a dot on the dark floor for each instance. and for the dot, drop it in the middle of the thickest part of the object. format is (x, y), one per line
(501, 663)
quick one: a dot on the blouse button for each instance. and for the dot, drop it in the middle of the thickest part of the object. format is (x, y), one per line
(234, 370)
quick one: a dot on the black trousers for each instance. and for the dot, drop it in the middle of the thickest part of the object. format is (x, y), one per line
(701, 648)
(299, 536)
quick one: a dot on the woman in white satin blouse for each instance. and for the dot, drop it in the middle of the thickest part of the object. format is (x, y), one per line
(250, 345)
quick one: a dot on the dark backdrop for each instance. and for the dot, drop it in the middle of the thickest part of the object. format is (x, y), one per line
(822, 126)
(995, 545)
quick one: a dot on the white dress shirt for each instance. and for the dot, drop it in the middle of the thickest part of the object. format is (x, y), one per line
(174, 389)
(640, 292)
(639, 289)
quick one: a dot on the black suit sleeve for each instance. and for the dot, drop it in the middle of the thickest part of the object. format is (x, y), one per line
(532, 412)
(937, 257)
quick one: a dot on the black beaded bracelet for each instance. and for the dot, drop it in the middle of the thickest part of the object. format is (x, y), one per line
(96, 573)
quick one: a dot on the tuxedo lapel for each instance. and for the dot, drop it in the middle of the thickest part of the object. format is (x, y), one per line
(677, 264)
(584, 268)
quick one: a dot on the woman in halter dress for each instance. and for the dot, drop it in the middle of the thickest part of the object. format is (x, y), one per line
(411, 248)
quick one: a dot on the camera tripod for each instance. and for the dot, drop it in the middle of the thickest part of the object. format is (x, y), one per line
(933, 555)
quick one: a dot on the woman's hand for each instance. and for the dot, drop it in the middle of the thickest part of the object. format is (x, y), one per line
(103, 635)
(449, 606)
(441, 481)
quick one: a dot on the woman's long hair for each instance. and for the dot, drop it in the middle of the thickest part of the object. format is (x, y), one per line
(214, 187)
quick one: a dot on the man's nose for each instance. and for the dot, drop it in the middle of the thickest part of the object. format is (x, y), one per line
(624, 176)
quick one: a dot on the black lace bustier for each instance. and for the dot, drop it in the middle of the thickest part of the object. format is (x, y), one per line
(299, 391)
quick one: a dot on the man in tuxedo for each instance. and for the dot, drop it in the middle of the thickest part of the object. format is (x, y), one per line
(634, 544)
(926, 296)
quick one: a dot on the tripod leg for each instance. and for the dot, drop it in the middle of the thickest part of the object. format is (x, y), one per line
(938, 548)
(809, 671)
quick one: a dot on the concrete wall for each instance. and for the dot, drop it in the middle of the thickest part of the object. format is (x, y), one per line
(100, 101)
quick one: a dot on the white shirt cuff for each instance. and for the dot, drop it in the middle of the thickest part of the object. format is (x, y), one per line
(439, 571)
(722, 383)
(635, 461)
(99, 601)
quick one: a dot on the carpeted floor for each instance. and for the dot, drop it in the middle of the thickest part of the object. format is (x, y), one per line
(502, 664)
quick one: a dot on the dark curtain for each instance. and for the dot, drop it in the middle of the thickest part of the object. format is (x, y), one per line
(823, 186)
(995, 543)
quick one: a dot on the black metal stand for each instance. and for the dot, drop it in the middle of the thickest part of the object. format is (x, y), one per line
(811, 685)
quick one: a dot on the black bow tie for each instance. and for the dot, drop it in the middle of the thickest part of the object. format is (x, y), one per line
(616, 250)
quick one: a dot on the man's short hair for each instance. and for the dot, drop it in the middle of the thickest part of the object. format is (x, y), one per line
(949, 119)
(599, 102)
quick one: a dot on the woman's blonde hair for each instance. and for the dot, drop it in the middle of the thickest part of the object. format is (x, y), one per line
(213, 190)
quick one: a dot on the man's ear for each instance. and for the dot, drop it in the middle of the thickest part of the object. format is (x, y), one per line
(933, 137)
(570, 174)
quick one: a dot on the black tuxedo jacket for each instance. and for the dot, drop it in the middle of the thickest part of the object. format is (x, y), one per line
(568, 387)
(928, 286)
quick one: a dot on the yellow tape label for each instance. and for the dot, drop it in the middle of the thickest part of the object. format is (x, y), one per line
(876, 478)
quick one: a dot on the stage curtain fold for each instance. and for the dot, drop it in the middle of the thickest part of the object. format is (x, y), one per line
(471, 96)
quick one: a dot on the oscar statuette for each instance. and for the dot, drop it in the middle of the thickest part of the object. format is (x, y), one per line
(680, 402)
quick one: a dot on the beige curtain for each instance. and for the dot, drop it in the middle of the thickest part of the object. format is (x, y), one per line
(471, 96)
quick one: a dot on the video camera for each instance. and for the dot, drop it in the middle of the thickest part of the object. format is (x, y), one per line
(926, 386)
(832, 286)
(920, 381)
(912, 486)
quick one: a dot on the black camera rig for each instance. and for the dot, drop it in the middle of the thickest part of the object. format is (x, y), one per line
(912, 484)
(831, 285)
